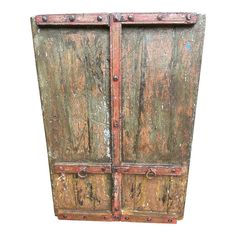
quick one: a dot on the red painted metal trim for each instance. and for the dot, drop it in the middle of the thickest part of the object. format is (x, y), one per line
(116, 197)
(115, 72)
(156, 18)
(115, 55)
(149, 219)
(171, 170)
(95, 216)
(72, 19)
(78, 215)
(156, 170)
(67, 168)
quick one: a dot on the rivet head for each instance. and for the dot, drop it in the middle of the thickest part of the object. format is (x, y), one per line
(44, 18)
(160, 17)
(173, 170)
(99, 18)
(169, 220)
(116, 217)
(149, 218)
(188, 16)
(71, 18)
(115, 18)
(126, 218)
(115, 78)
(61, 168)
(116, 124)
(130, 17)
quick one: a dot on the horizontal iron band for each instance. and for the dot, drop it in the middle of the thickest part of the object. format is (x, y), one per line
(155, 170)
(123, 18)
(156, 18)
(75, 168)
(72, 19)
(77, 215)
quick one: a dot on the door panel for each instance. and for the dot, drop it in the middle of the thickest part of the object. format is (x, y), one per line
(89, 194)
(160, 73)
(160, 195)
(73, 70)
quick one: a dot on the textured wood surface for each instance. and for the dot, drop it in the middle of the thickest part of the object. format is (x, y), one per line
(90, 194)
(160, 195)
(73, 74)
(160, 74)
(146, 115)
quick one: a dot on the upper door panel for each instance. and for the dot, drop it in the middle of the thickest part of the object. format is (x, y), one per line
(73, 72)
(160, 73)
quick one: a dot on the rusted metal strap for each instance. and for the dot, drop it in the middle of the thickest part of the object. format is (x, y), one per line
(149, 219)
(155, 18)
(172, 170)
(115, 65)
(124, 18)
(72, 19)
(150, 171)
(72, 168)
(78, 215)
(93, 216)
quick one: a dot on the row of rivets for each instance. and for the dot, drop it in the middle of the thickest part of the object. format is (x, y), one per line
(122, 18)
(130, 17)
(118, 218)
(71, 18)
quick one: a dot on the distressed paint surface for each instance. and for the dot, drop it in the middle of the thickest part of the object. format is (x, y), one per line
(160, 74)
(73, 74)
(160, 195)
(160, 68)
(90, 194)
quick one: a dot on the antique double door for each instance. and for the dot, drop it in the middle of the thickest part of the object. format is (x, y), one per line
(118, 94)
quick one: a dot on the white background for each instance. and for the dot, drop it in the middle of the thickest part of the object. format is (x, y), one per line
(25, 194)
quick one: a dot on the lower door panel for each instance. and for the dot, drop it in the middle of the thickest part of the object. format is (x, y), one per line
(157, 196)
(87, 194)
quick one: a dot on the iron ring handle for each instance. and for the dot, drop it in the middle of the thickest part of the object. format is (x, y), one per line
(150, 174)
(82, 174)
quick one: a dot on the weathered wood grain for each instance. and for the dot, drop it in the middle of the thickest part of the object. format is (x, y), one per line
(160, 74)
(73, 75)
(147, 112)
(90, 194)
(162, 195)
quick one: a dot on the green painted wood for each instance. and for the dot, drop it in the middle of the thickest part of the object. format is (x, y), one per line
(160, 68)
(73, 75)
(160, 75)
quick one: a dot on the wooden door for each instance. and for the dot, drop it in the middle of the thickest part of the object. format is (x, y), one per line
(118, 94)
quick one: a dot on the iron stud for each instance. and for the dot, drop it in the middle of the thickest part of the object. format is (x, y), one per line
(188, 16)
(99, 18)
(71, 18)
(44, 18)
(115, 78)
(130, 17)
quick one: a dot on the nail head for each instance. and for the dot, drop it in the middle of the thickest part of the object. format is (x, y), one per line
(44, 18)
(71, 17)
(99, 18)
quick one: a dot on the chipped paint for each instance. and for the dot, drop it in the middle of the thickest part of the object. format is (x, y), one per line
(188, 45)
